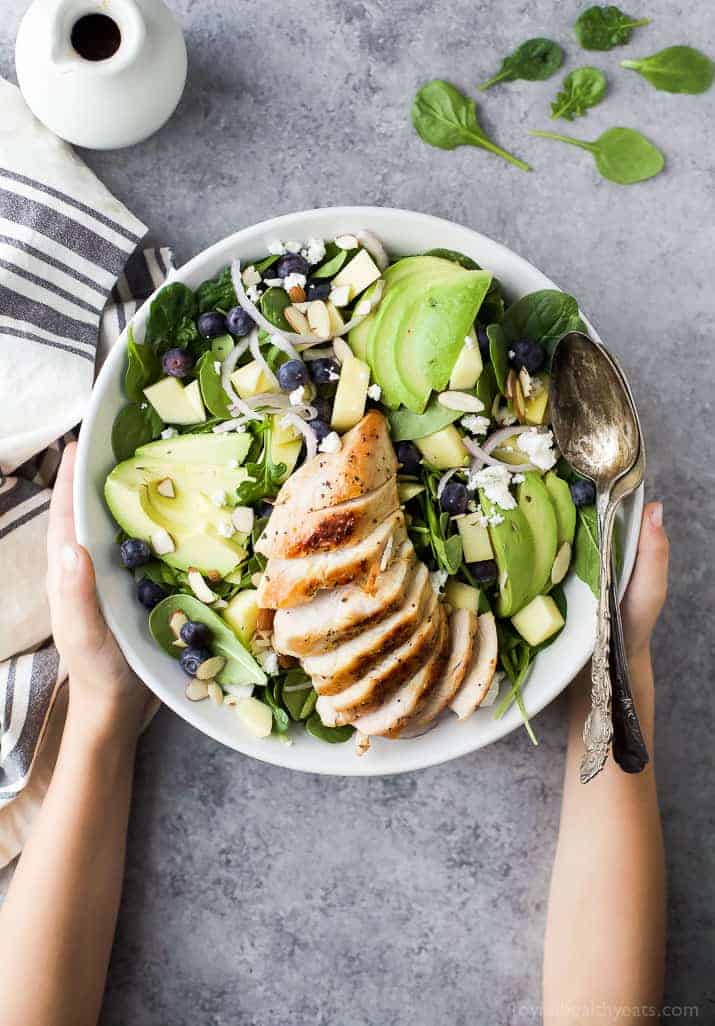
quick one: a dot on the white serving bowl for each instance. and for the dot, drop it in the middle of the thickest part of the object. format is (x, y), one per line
(403, 232)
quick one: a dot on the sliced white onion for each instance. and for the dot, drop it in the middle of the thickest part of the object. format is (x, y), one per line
(229, 365)
(495, 440)
(318, 354)
(282, 343)
(375, 248)
(242, 409)
(231, 425)
(275, 399)
(289, 689)
(311, 439)
(481, 457)
(255, 350)
(443, 481)
(258, 318)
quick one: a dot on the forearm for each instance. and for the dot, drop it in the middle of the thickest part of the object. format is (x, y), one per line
(58, 920)
(606, 922)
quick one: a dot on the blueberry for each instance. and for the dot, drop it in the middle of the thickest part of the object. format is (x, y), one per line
(583, 492)
(192, 658)
(292, 374)
(291, 263)
(196, 634)
(455, 498)
(484, 570)
(264, 509)
(317, 290)
(483, 341)
(238, 322)
(212, 324)
(321, 428)
(134, 552)
(409, 457)
(323, 408)
(324, 371)
(149, 592)
(527, 354)
(177, 362)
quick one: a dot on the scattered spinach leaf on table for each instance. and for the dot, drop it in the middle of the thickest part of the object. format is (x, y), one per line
(603, 27)
(134, 425)
(534, 61)
(445, 118)
(581, 89)
(622, 155)
(143, 368)
(677, 69)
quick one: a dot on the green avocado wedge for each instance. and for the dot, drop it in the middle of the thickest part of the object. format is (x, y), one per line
(565, 510)
(240, 668)
(535, 503)
(513, 546)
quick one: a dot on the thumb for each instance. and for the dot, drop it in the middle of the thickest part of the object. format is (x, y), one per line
(647, 589)
(77, 623)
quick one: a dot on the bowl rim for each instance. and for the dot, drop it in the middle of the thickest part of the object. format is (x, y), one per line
(278, 754)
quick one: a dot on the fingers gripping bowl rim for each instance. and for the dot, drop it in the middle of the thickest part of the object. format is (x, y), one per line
(403, 232)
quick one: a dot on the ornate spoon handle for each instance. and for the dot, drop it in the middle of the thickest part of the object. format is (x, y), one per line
(629, 748)
(598, 729)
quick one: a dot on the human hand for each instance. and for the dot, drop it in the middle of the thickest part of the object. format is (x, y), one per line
(647, 589)
(106, 698)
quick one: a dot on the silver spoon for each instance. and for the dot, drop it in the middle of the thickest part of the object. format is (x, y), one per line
(593, 421)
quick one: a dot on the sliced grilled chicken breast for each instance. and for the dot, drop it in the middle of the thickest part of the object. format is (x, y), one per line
(290, 582)
(346, 664)
(337, 615)
(365, 462)
(463, 633)
(481, 671)
(290, 537)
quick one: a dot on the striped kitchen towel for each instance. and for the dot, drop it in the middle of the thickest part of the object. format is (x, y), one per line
(71, 275)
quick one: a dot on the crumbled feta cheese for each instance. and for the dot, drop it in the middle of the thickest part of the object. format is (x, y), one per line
(143, 406)
(331, 443)
(479, 517)
(494, 519)
(538, 446)
(475, 424)
(293, 246)
(242, 519)
(217, 366)
(292, 281)
(276, 248)
(219, 498)
(226, 529)
(341, 296)
(363, 308)
(470, 342)
(274, 283)
(333, 375)
(511, 354)
(297, 396)
(494, 481)
(313, 251)
(374, 391)
(518, 479)
(169, 433)
(250, 276)
(504, 417)
(253, 293)
(269, 661)
(346, 242)
(438, 579)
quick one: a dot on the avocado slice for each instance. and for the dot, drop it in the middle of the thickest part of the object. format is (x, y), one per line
(240, 668)
(358, 336)
(536, 505)
(564, 508)
(513, 545)
(191, 517)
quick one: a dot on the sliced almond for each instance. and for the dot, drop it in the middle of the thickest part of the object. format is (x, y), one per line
(319, 318)
(179, 643)
(527, 382)
(346, 242)
(250, 276)
(285, 661)
(177, 621)
(213, 576)
(297, 320)
(264, 621)
(256, 580)
(242, 519)
(362, 743)
(297, 294)
(341, 296)
(166, 488)
(562, 562)
(162, 542)
(509, 383)
(215, 692)
(337, 324)
(518, 402)
(210, 667)
(200, 588)
(196, 691)
(462, 401)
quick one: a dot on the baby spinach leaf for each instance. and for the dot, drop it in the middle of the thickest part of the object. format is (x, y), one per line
(333, 735)
(582, 88)
(499, 354)
(602, 28)
(143, 368)
(281, 720)
(133, 426)
(455, 257)
(264, 476)
(677, 69)
(212, 391)
(299, 704)
(446, 118)
(406, 426)
(217, 293)
(492, 309)
(272, 303)
(542, 316)
(172, 319)
(446, 548)
(534, 60)
(587, 560)
(486, 388)
(622, 155)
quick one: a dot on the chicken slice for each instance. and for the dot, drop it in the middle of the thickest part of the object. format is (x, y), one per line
(463, 634)
(336, 616)
(365, 461)
(481, 671)
(335, 670)
(395, 713)
(390, 673)
(289, 536)
(291, 582)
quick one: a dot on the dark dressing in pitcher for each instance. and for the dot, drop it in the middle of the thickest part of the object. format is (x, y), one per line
(96, 37)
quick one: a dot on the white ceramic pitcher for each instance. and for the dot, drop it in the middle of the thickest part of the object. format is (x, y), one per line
(101, 73)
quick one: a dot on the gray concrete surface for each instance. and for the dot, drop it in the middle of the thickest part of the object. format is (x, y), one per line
(256, 896)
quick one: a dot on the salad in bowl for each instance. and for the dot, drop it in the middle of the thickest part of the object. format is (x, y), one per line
(337, 492)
